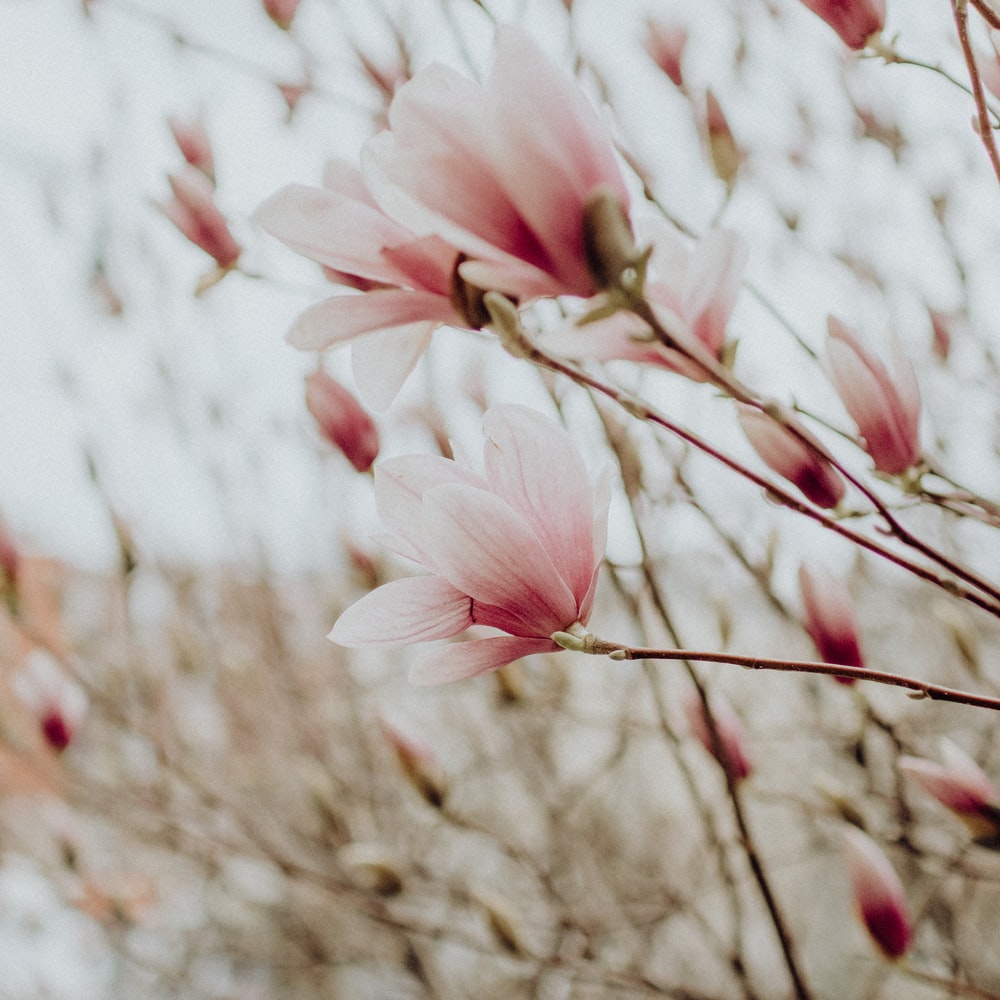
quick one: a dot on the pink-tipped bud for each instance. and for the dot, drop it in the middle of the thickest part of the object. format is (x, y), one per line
(10, 559)
(192, 210)
(665, 46)
(941, 333)
(419, 764)
(192, 140)
(282, 12)
(791, 458)
(885, 408)
(56, 700)
(723, 151)
(342, 420)
(960, 785)
(854, 20)
(730, 751)
(829, 618)
(878, 893)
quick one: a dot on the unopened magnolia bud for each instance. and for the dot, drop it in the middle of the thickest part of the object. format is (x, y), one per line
(723, 151)
(607, 236)
(372, 867)
(281, 12)
(419, 764)
(856, 21)
(503, 923)
(665, 45)
(193, 142)
(829, 618)
(729, 751)
(342, 420)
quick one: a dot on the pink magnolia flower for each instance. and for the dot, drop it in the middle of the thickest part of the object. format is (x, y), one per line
(830, 618)
(729, 728)
(504, 171)
(193, 142)
(886, 409)
(854, 20)
(409, 280)
(516, 548)
(790, 458)
(878, 893)
(692, 292)
(192, 210)
(960, 785)
(665, 45)
(342, 420)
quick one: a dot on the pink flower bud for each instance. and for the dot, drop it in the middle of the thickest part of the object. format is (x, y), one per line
(57, 701)
(941, 331)
(281, 12)
(791, 458)
(665, 45)
(731, 753)
(878, 893)
(854, 20)
(192, 140)
(960, 785)
(10, 559)
(419, 763)
(192, 210)
(342, 420)
(830, 618)
(885, 408)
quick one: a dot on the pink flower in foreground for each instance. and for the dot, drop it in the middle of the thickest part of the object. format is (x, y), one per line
(193, 142)
(665, 45)
(729, 728)
(409, 281)
(960, 785)
(192, 210)
(504, 171)
(516, 549)
(342, 420)
(886, 409)
(692, 291)
(878, 893)
(789, 457)
(854, 20)
(830, 618)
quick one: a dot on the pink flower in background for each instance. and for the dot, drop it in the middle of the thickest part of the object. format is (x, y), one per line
(58, 702)
(193, 142)
(960, 785)
(789, 457)
(729, 728)
(665, 45)
(878, 893)
(409, 280)
(692, 290)
(192, 210)
(504, 171)
(282, 12)
(885, 408)
(517, 549)
(830, 620)
(342, 420)
(854, 20)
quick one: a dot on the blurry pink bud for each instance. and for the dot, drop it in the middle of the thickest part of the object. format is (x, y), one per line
(941, 331)
(10, 558)
(342, 420)
(878, 893)
(988, 64)
(192, 210)
(192, 141)
(791, 458)
(885, 408)
(58, 702)
(419, 763)
(723, 151)
(830, 618)
(960, 785)
(854, 20)
(730, 754)
(665, 46)
(292, 93)
(281, 12)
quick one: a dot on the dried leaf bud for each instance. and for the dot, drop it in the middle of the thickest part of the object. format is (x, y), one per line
(372, 867)
(419, 764)
(723, 151)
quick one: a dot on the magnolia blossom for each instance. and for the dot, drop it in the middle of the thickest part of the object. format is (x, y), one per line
(878, 893)
(960, 785)
(516, 548)
(504, 171)
(791, 458)
(342, 420)
(885, 408)
(409, 280)
(691, 290)
(830, 617)
(193, 211)
(854, 20)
